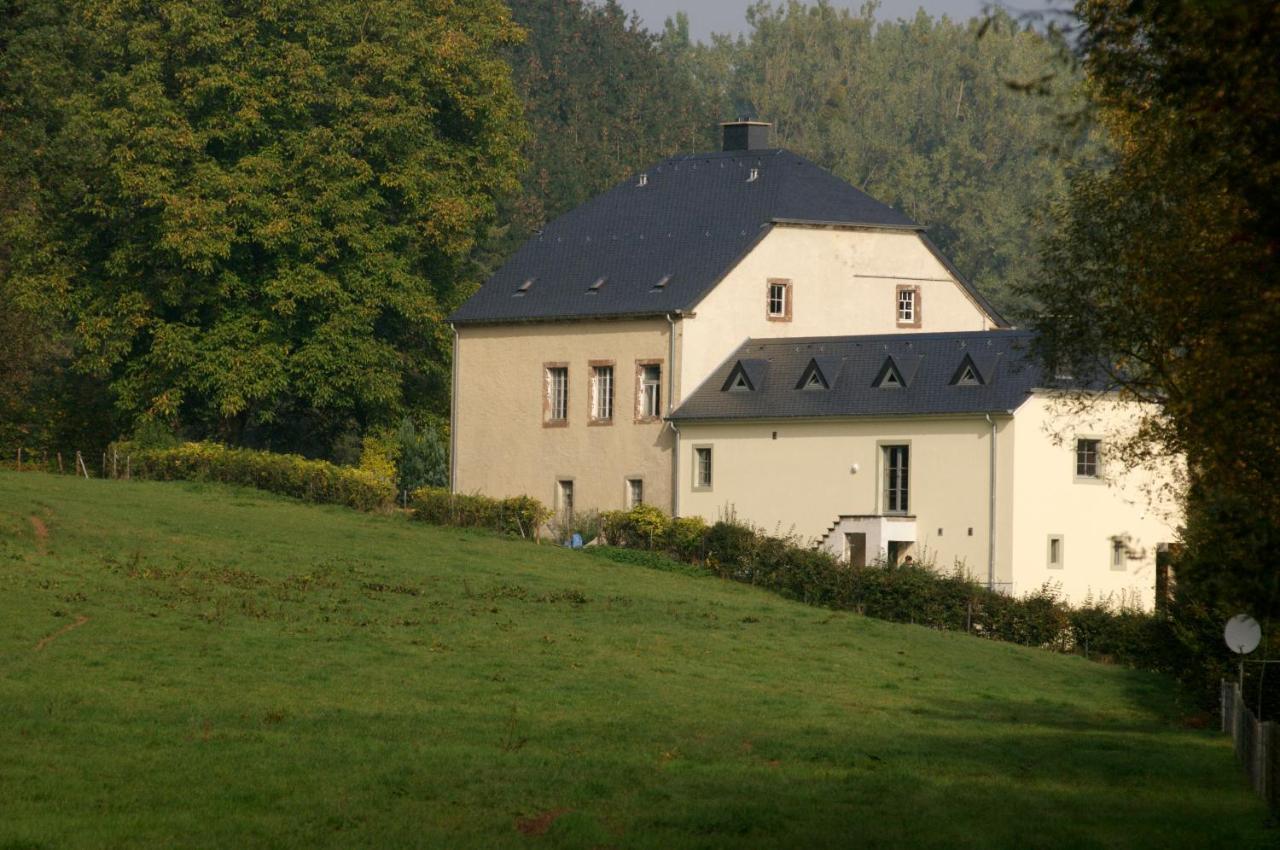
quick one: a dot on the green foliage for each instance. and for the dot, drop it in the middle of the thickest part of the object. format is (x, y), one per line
(411, 686)
(153, 434)
(685, 538)
(379, 453)
(518, 516)
(603, 97)
(288, 475)
(642, 527)
(253, 218)
(586, 524)
(1160, 277)
(422, 457)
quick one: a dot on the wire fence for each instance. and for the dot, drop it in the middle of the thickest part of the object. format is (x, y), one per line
(1257, 743)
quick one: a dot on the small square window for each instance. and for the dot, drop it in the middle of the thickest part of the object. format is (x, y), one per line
(908, 305)
(779, 301)
(635, 492)
(1119, 554)
(564, 497)
(1055, 559)
(702, 467)
(1088, 457)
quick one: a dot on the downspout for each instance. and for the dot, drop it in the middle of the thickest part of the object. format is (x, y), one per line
(991, 511)
(671, 393)
(453, 415)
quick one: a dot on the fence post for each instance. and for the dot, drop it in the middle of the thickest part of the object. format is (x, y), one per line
(19, 458)
(59, 463)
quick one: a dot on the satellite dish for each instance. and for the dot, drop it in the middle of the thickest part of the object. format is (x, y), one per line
(1242, 634)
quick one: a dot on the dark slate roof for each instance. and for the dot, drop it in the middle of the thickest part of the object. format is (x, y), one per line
(928, 363)
(692, 220)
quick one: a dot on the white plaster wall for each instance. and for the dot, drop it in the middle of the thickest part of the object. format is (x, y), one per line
(801, 482)
(1139, 504)
(844, 282)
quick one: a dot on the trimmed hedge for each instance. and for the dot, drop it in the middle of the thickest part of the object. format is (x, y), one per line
(289, 475)
(519, 516)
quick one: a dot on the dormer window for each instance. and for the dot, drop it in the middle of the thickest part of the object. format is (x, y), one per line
(739, 381)
(889, 378)
(778, 301)
(813, 378)
(968, 374)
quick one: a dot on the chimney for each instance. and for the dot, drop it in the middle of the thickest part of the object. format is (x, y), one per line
(746, 135)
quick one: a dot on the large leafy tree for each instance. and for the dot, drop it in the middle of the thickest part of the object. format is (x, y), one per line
(603, 97)
(254, 216)
(1161, 278)
(923, 114)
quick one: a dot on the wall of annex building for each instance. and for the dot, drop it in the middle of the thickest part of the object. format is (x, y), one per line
(1138, 505)
(504, 445)
(802, 480)
(843, 282)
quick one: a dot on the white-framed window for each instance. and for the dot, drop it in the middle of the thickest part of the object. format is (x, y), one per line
(702, 467)
(907, 307)
(557, 393)
(650, 391)
(1054, 559)
(635, 492)
(602, 393)
(564, 496)
(779, 300)
(1119, 554)
(897, 477)
(1088, 458)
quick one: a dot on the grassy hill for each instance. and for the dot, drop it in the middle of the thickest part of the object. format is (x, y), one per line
(190, 666)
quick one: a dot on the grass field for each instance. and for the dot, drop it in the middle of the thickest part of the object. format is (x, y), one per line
(190, 666)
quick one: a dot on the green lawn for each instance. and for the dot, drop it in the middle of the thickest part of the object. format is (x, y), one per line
(254, 672)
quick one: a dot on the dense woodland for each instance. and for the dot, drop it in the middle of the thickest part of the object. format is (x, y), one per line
(249, 223)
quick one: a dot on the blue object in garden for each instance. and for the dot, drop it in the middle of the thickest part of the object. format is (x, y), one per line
(576, 542)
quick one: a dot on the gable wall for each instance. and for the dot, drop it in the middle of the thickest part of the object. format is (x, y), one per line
(843, 282)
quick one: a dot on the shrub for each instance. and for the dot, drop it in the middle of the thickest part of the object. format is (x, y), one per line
(585, 524)
(518, 516)
(686, 538)
(422, 456)
(642, 527)
(288, 475)
(730, 548)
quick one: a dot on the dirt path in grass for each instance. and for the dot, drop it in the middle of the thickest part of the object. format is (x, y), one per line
(41, 531)
(81, 619)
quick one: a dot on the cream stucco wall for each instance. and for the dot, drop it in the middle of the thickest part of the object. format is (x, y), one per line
(502, 447)
(801, 481)
(844, 281)
(1138, 504)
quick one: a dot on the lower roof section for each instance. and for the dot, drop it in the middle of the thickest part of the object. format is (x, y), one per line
(904, 374)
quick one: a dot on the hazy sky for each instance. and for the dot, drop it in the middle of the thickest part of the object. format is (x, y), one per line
(707, 16)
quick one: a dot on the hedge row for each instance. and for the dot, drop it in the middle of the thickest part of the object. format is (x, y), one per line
(906, 594)
(520, 516)
(289, 475)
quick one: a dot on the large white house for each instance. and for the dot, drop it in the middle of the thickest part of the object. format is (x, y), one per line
(742, 332)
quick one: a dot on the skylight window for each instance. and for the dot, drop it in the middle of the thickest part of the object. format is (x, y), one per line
(891, 381)
(524, 287)
(968, 378)
(595, 287)
(662, 283)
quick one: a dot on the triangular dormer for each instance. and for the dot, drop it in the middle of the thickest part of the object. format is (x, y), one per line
(813, 378)
(968, 375)
(738, 380)
(890, 377)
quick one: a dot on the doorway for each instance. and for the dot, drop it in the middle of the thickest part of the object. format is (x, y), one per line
(855, 549)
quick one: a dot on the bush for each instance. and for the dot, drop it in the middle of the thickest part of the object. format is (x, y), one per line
(585, 524)
(519, 516)
(642, 527)
(289, 475)
(730, 549)
(422, 457)
(686, 538)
